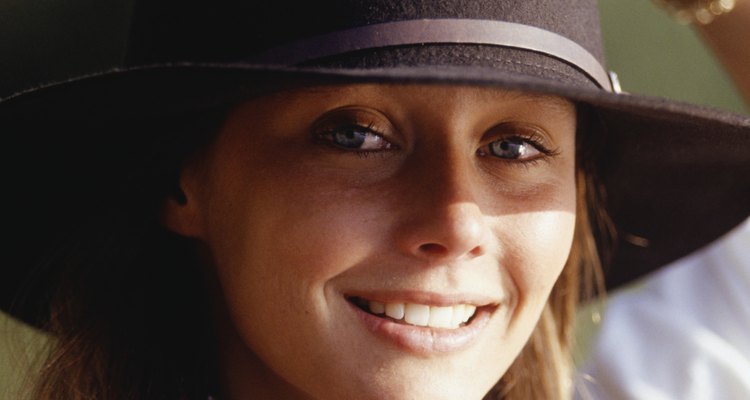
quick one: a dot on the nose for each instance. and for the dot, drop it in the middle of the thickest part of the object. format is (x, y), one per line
(440, 215)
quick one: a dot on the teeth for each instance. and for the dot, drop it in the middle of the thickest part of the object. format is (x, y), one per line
(424, 315)
(440, 317)
(469, 310)
(458, 315)
(417, 314)
(395, 310)
(377, 307)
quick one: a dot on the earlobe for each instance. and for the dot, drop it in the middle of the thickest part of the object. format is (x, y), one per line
(181, 214)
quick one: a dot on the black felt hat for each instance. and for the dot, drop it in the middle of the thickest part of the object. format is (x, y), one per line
(677, 176)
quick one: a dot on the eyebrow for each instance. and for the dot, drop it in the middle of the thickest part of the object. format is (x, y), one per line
(556, 102)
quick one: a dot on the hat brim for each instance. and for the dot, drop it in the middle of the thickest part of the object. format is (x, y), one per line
(677, 176)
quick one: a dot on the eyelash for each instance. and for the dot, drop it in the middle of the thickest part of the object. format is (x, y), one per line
(533, 139)
(324, 136)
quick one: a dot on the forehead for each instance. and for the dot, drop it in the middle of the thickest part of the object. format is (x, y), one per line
(432, 94)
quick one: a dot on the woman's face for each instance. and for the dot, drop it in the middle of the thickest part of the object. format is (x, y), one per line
(383, 241)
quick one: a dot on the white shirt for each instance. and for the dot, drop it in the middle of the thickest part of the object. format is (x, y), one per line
(684, 334)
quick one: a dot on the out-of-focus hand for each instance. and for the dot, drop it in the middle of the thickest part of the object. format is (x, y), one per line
(729, 38)
(696, 11)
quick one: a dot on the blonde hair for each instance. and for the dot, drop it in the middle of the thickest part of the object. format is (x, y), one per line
(544, 369)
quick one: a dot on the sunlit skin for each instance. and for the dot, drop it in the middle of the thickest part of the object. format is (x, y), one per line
(461, 193)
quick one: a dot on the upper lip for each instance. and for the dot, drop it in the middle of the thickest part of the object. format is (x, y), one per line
(425, 297)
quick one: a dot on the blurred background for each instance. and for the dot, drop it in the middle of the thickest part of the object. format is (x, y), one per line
(43, 41)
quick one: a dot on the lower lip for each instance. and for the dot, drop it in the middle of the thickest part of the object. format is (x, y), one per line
(426, 340)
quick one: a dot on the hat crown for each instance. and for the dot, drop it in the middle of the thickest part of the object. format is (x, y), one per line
(235, 30)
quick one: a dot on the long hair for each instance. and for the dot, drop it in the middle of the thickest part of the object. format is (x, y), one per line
(544, 368)
(131, 318)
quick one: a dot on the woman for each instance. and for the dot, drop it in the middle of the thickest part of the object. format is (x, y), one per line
(386, 201)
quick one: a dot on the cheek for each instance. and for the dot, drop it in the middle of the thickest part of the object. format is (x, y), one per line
(541, 247)
(536, 248)
(281, 234)
(315, 232)
(538, 236)
(276, 248)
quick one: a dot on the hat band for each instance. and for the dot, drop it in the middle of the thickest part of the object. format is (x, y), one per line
(440, 31)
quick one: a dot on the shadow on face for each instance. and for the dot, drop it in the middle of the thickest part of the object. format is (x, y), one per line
(349, 226)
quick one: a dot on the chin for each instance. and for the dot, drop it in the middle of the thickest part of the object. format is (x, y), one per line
(433, 388)
(448, 378)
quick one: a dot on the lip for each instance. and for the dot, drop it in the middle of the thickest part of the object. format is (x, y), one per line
(423, 340)
(428, 298)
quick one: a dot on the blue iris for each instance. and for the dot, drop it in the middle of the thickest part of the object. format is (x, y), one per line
(508, 148)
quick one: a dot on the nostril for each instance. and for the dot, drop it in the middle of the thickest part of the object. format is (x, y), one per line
(438, 250)
(433, 248)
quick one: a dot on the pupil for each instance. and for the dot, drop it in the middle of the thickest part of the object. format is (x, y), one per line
(508, 149)
(350, 138)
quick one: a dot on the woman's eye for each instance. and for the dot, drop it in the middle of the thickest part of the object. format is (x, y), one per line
(513, 148)
(355, 137)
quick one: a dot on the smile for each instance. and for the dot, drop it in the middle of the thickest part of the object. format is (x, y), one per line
(420, 328)
(449, 317)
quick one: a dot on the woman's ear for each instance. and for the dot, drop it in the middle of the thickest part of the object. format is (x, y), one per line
(181, 212)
